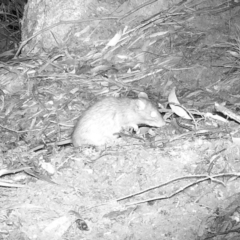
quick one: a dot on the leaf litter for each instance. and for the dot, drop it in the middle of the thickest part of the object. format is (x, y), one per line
(178, 182)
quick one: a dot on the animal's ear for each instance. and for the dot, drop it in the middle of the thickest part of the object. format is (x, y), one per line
(142, 95)
(141, 104)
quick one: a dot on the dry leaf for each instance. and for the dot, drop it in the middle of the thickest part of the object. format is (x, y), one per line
(56, 228)
(172, 98)
(158, 34)
(235, 54)
(113, 42)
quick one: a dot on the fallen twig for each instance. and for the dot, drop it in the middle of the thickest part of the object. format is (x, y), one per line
(202, 179)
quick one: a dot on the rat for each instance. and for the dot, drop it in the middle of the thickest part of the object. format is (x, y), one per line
(101, 123)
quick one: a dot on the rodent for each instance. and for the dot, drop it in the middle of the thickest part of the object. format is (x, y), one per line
(101, 122)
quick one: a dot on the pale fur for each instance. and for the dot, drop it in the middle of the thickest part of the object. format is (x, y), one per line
(107, 117)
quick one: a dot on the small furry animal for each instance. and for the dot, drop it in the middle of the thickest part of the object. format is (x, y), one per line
(100, 123)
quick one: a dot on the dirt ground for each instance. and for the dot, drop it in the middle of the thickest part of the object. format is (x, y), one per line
(179, 185)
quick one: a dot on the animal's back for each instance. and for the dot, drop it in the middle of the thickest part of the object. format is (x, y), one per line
(97, 124)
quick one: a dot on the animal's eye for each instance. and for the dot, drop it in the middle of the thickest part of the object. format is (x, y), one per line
(153, 114)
